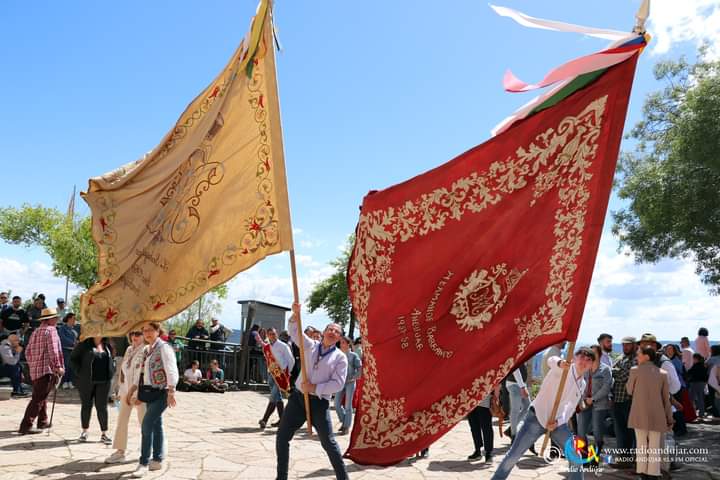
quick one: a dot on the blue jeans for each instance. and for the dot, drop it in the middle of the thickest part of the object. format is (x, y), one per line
(597, 419)
(344, 409)
(152, 431)
(275, 395)
(528, 433)
(292, 419)
(518, 406)
(68, 376)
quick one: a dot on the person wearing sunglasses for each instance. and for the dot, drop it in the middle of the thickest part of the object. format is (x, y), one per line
(130, 369)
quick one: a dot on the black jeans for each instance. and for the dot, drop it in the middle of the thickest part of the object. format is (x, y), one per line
(97, 393)
(292, 419)
(15, 374)
(624, 436)
(480, 420)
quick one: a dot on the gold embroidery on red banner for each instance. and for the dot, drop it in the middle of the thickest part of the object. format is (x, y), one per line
(482, 294)
(557, 160)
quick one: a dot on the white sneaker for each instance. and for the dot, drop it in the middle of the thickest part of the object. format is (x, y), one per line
(116, 457)
(155, 465)
(140, 471)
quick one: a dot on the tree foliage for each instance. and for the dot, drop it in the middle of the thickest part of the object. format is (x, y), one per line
(205, 307)
(671, 180)
(331, 294)
(68, 241)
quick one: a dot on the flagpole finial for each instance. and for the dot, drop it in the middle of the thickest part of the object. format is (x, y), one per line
(641, 16)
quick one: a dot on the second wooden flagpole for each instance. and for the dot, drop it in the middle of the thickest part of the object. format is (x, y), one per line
(269, 38)
(301, 336)
(558, 396)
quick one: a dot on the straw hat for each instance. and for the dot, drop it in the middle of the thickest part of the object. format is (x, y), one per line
(47, 314)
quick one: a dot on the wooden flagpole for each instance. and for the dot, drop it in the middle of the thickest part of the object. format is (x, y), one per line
(640, 18)
(558, 396)
(301, 336)
(293, 268)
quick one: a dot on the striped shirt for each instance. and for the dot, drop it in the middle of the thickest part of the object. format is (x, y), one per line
(44, 352)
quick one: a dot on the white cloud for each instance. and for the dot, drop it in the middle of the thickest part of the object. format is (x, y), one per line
(676, 21)
(666, 299)
(24, 279)
(270, 281)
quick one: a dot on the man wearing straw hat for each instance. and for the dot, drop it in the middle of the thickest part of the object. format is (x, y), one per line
(45, 361)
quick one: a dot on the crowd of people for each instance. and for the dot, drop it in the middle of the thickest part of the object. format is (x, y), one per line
(644, 396)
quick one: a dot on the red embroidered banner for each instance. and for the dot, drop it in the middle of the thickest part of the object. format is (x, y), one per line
(463, 272)
(281, 377)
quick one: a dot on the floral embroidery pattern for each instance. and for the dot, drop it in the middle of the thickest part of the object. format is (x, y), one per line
(482, 294)
(179, 217)
(558, 160)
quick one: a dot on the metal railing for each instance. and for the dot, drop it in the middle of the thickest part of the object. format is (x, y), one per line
(252, 373)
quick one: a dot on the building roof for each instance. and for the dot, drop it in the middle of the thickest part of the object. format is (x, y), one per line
(280, 307)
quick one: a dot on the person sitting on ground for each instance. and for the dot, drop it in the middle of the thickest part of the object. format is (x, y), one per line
(216, 376)
(10, 351)
(192, 378)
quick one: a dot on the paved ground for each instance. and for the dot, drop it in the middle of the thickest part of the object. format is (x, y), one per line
(213, 436)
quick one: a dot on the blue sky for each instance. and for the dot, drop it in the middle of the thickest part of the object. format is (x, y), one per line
(371, 92)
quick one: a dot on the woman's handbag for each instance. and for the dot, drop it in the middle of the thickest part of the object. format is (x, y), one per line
(148, 394)
(496, 410)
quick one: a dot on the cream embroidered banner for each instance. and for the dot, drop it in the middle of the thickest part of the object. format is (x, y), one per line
(207, 203)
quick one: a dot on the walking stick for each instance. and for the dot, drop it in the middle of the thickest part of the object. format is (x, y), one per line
(52, 411)
(558, 396)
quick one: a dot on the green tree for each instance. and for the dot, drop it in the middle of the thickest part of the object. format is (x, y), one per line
(671, 181)
(205, 307)
(68, 241)
(331, 294)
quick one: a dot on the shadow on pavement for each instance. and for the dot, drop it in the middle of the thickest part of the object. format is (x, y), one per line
(34, 445)
(457, 466)
(78, 469)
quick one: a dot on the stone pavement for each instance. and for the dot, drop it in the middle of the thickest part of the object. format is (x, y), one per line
(214, 436)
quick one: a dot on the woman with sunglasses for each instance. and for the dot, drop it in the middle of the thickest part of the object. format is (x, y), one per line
(159, 376)
(130, 369)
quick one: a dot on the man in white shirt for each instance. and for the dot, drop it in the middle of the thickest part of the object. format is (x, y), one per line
(538, 417)
(284, 358)
(326, 368)
(605, 342)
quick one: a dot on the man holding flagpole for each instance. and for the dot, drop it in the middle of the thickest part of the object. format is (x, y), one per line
(539, 418)
(326, 371)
